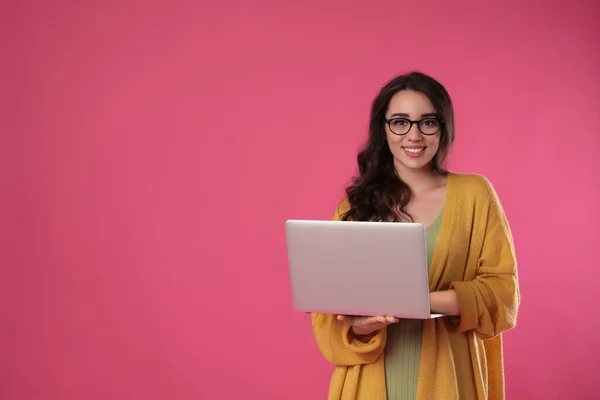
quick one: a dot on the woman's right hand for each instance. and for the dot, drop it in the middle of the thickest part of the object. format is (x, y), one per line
(366, 325)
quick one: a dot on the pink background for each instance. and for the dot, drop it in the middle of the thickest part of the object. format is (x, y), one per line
(153, 150)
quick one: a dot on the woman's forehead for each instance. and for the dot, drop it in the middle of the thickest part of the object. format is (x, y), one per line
(411, 103)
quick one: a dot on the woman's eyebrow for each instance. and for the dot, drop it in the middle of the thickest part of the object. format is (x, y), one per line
(404, 115)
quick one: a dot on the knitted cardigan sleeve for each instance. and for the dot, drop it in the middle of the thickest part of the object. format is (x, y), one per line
(489, 303)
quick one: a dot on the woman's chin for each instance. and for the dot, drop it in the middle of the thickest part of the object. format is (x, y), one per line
(414, 164)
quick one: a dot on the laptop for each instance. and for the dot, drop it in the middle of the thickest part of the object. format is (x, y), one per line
(359, 268)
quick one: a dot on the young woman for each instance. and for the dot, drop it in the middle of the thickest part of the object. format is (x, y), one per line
(472, 266)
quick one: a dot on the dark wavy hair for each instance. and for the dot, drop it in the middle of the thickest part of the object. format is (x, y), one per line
(378, 193)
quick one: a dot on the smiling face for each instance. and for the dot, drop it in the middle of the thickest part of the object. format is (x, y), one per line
(413, 150)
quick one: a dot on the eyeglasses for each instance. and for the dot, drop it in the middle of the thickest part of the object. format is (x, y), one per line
(427, 126)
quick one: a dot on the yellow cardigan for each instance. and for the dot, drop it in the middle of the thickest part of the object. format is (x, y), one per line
(462, 355)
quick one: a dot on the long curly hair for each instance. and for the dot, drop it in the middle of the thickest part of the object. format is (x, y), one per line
(378, 193)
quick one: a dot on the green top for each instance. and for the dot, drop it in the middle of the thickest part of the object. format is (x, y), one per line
(403, 347)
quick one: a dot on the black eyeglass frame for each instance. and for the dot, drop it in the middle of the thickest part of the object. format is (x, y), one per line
(418, 122)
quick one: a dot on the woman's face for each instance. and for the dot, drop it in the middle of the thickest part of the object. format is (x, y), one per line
(413, 150)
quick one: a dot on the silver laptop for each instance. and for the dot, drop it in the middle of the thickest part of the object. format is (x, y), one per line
(359, 268)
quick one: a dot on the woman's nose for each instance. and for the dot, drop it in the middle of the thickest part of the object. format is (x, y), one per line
(414, 135)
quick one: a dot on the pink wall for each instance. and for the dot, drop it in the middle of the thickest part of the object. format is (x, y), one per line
(155, 149)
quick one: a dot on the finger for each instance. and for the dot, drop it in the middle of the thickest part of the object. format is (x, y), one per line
(375, 322)
(382, 320)
(367, 322)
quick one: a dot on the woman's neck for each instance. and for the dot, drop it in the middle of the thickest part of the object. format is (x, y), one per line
(419, 180)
